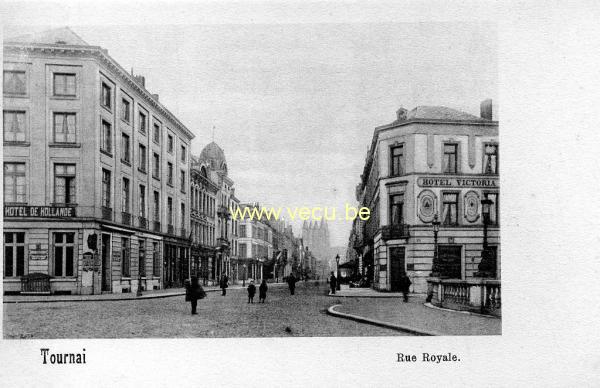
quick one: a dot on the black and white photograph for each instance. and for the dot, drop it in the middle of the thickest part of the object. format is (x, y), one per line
(210, 176)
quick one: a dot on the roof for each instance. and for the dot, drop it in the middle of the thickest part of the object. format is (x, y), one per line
(55, 36)
(215, 155)
(439, 113)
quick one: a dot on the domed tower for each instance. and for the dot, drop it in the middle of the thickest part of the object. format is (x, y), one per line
(215, 157)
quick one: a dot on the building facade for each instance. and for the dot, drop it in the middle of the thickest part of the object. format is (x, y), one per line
(433, 164)
(96, 172)
(315, 237)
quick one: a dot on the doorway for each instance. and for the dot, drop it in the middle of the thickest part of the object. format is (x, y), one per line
(396, 267)
(450, 260)
(106, 278)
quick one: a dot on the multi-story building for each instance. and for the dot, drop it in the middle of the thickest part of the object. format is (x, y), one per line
(96, 171)
(315, 236)
(255, 243)
(433, 164)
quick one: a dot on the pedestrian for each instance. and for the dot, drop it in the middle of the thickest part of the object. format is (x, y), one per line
(332, 283)
(262, 291)
(251, 291)
(404, 286)
(223, 283)
(194, 291)
(291, 281)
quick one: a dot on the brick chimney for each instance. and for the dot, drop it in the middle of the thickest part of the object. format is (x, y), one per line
(486, 109)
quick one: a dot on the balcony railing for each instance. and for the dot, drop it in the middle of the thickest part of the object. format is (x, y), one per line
(107, 213)
(125, 218)
(156, 226)
(143, 222)
(392, 232)
(477, 295)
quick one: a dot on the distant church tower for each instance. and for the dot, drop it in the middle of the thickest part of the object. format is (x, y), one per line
(316, 237)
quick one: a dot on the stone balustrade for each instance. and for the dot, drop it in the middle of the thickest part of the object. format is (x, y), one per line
(477, 295)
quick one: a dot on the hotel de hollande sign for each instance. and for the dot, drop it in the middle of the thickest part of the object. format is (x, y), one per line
(467, 182)
(39, 211)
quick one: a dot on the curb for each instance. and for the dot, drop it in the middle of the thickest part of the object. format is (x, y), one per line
(369, 296)
(431, 306)
(406, 329)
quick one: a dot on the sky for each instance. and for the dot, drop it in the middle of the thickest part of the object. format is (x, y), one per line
(294, 105)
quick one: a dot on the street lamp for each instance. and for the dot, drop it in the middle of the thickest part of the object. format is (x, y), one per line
(337, 260)
(244, 280)
(436, 267)
(487, 265)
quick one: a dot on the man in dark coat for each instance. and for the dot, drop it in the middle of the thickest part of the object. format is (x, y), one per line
(194, 292)
(291, 280)
(251, 292)
(262, 291)
(405, 285)
(332, 283)
(223, 284)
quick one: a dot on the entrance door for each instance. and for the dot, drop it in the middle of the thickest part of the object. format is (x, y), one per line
(106, 286)
(450, 260)
(396, 267)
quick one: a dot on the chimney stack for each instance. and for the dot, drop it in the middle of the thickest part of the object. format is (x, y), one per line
(155, 96)
(486, 109)
(140, 79)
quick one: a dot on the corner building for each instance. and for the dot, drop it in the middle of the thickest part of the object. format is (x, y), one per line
(96, 172)
(431, 161)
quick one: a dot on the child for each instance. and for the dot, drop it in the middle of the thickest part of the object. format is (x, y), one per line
(251, 292)
(262, 291)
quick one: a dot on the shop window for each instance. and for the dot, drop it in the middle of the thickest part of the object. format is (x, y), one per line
(64, 184)
(14, 82)
(64, 254)
(14, 254)
(65, 84)
(15, 187)
(15, 126)
(450, 209)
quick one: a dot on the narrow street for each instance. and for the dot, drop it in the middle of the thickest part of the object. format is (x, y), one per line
(230, 316)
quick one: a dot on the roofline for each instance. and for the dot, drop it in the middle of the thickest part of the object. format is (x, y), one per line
(438, 121)
(112, 64)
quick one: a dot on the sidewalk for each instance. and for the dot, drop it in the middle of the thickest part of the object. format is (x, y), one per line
(388, 310)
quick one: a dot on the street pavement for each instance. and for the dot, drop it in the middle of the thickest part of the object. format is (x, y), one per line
(283, 315)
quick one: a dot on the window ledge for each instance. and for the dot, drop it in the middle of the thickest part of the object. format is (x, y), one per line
(126, 162)
(155, 177)
(16, 95)
(142, 171)
(106, 153)
(170, 184)
(63, 97)
(108, 108)
(17, 144)
(65, 145)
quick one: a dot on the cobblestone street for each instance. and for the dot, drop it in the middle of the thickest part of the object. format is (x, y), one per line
(230, 316)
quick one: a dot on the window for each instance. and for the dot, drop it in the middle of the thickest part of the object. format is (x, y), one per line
(65, 127)
(142, 258)
(125, 257)
(494, 208)
(182, 181)
(156, 206)
(106, 140)
(143, 122)
(170, 210)
(125, 196)
(125, 149)
(15, 126)
(450, 209)
(156, 259)
(64, 254)
(142, 156)
(106, 188)
(64, 184)
(14, 254)
(14, 83)
(156, 133)
(106, 96)
(156, 166)
(242, 230)
(14, 183)
(490, 163)
(242, 250)
(397, 160)
(396, 209)
(125, 110)
(142, 201)
(450, 158)
(170, 173)
(170, 144)
(182, 216)
(64, 84)
(183, 154)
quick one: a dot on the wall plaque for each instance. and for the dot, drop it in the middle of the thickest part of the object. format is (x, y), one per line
(471, 206)
(427, 205)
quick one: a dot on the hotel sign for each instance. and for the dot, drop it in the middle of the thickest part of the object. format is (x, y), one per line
(467, 182)
(39, 211)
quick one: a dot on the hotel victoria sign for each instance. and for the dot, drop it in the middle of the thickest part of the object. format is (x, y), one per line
(459, 182)
(39, 211)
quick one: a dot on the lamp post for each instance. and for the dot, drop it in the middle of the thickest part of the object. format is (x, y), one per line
(487, 265)
(337, 261)
(436, 269)
(244, 279)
